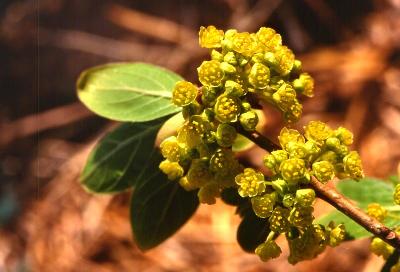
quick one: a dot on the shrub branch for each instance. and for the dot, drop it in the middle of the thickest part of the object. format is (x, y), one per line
(337, 200)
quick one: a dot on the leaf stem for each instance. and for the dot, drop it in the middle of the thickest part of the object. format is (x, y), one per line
(337, 200)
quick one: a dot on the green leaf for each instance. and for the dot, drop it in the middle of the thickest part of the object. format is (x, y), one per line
(134, 92)
(353, 230)
(159, 207)
(116, 163)
(252, 231)
(242, 144)
(364, 192)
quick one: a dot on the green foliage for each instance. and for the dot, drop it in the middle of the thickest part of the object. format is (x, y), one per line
(159, 207)
(252, 231)
(116, 163)
(133, 92)
(364, 192)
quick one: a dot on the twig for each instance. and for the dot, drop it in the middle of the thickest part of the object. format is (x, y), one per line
(337, 200)
(258, 139)
(345, 206)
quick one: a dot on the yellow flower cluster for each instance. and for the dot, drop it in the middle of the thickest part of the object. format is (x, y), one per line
(245, 69)
(255, 63)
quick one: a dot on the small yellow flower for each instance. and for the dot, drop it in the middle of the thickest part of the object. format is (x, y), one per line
(210, 37)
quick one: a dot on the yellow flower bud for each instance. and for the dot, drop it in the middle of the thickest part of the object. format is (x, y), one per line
(172, 169)
(184, 93)
(227, 108)
(251, 183)
(376, 211)
(210, 73)
(210, 37)
(259, 76)
(352, 165)
(317, 131)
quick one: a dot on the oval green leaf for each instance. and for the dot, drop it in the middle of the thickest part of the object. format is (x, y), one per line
(134, 92)
(159, 207)
(252, 231)
(116, 163)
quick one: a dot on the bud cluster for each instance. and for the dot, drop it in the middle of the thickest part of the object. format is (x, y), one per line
(287, 203)
(378, 246)
(242, 66)
(245, 68)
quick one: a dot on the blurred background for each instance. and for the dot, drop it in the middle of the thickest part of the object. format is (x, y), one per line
(49, 223)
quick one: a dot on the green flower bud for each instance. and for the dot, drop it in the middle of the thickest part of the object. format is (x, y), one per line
(333, 143)
(199, 173)
(329, 156)
(258, 58)
(216, 55)
(290, 135)
(292, 170)
(191, 132)
(375, 210)
(285, 59)
(380, 248)
(251, 183)
(172, 169)
(301, 216)
(280, 186)
(296, 150)
(270, 59)
(227, 109)
(249, 120)
(323, 171)
(293, 114)
(304, 85)
(308, 245)
(193, 108)
(279, 220)
(396, 194)
(273, 161)
(268, 250)
(312, 150)
(263, 205)
(184, 93)
(171, 149)
(233, 88)
(226, 135)
(246, 106)
(353, 166)
(223, 162)
(344, 135)
(259, 76)
(230, 58)
(317, 131)
(210, 73)
(288, 200)
(208, 193)
(210, 37)
(209, 95)
(228, 68)
(337, 235)
(285, 97)
(305, 197)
